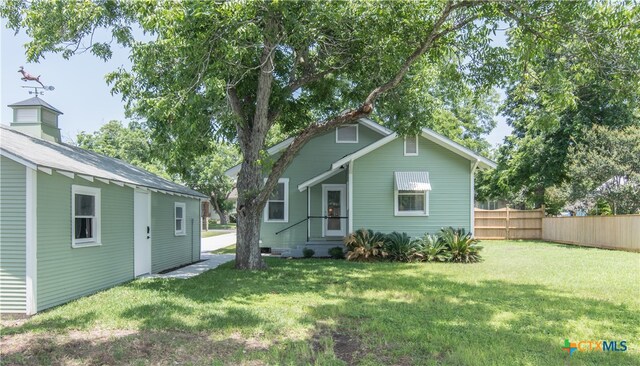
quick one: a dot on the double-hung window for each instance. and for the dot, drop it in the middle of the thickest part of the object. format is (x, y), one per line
(85, 212)
(411, 193)
(179, 218)
(277, 208)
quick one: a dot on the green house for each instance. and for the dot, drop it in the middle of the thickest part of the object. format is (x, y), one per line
(73, 222)
(366, 176)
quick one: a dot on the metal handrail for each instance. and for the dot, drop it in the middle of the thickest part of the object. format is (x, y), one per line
(311, 217)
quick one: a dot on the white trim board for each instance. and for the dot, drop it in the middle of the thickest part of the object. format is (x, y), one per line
(31, 217)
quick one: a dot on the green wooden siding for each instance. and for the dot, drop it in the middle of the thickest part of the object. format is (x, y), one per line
(373, 189)
(66, 273)
(167, 249)
(12, 237)
(315, 158)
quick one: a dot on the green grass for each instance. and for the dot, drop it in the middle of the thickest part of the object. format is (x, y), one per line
(214, 226)
(208, 234)
(514, 308)
(231, 249)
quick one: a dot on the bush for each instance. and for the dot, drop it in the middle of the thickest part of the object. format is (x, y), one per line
(364, 245)
(308, 252)
(336, 253)
(462, 246)
(400, 247)
(430, 249)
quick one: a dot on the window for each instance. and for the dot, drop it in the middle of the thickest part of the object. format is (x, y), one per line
(411, 193)
(411, 146)
(277, 208)
(179, 212)
(85, 212)
(347, 134)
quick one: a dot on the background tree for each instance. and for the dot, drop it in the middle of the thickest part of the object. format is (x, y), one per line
(131, 144)
(238, 69)
(607, 168)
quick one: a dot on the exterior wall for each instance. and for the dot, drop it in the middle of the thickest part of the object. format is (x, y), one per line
(167, 249)
(315, 158)
(373, 189)
(12, 237)
(65, 273)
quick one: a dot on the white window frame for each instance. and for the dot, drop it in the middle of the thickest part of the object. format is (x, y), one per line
(183, 231)
(96, 240)
(338, 141)
(286, 203)
(405, 147)
(397, 212)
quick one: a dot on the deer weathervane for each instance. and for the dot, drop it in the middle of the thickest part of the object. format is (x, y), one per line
(28, 77)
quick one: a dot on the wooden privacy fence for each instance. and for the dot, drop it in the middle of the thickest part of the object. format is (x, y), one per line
(508, 223)
(612, 232)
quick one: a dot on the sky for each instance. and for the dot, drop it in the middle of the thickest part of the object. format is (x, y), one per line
(81, 91)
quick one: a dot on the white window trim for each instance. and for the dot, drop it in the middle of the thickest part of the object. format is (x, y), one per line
(91, 191)
(397, 212)
(405, 147)
(348, 142)
(286, 203)
(182, 232)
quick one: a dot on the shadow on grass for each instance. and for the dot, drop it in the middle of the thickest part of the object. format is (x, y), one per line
(392, 313)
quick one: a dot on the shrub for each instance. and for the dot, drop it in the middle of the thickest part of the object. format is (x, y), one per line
(400, 247)
(308, 252)
(462, 246)
(430, 249)
(364, 245)
(336, 253)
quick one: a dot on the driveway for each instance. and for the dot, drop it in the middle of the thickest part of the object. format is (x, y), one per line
(217, 242)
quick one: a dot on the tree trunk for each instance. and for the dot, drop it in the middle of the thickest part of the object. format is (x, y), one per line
(224, 220)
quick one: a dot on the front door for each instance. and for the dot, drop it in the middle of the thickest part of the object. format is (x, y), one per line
(141, 233)
(334, 208)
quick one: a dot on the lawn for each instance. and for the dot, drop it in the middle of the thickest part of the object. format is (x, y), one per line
(215, 226)
(231, 249)
(208, 234)
(514, 308)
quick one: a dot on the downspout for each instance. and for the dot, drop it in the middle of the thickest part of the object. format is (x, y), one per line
(472, 198)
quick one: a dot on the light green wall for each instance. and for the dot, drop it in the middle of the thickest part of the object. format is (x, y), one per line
(65, 273)
(167, 249)
(373, 189)
(315, 158)
(12, 237)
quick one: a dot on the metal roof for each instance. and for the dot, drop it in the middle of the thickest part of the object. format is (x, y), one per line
(35, 101)
(412, 181)
(72, 159)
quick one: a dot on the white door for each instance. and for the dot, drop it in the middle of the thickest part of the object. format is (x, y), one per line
(141, 233)
(334, 208)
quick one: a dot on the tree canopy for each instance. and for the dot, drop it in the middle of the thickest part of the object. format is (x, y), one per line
(240, 69)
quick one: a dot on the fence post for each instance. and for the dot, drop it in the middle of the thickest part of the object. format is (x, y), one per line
(507, 223)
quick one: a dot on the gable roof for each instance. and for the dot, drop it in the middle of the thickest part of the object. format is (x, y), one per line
(67, 159)
(427, 133)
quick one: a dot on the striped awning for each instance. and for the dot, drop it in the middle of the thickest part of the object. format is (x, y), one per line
(412, 181)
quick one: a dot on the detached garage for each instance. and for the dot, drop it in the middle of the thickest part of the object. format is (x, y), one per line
(73, 222)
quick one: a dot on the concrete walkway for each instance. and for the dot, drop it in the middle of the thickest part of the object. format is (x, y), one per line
(209, 261)
(217, 242)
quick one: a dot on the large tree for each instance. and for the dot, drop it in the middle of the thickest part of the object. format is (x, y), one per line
(239, 69)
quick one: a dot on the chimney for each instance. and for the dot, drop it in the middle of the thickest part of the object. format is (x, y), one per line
(36, 118)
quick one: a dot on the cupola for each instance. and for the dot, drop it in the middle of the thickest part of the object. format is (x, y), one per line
(36, 118)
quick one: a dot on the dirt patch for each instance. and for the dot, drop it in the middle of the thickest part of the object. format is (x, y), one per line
(123, 347)
(345, 346)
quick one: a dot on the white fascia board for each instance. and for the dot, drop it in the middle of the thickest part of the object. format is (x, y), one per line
(457, 148)
(364, 151)
(105, 181)
(18, 159)
(86, 177)
(130, 185)
(45, 170)
(318, 178)
(375, 126)
(117, 183)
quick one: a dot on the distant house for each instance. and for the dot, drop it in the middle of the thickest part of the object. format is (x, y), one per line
(73, 222)
(366, 176)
